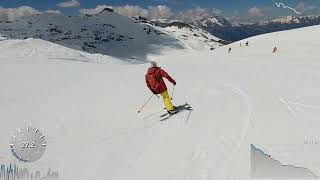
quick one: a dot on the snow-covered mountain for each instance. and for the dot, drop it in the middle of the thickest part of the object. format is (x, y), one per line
(285, 20)
(106, 32)
(215, 21)
(88, 110)
(220, 27)
(194, 37)
(305, 20)
(190, 35)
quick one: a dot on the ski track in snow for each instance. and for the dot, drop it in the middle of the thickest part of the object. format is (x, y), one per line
(148, 122)
(292, 112)
(304, 105)
(140, 128)
(79, 60)
(295, 116)
(246, 125)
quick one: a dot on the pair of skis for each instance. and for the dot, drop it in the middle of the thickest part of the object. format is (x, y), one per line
(177, 109)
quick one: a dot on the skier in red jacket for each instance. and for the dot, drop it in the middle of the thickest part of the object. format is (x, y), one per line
(154, 81)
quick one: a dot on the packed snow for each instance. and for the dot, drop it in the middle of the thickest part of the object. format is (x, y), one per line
(87, 105)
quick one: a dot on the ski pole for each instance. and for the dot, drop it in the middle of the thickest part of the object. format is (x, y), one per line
(145, 103)
(172, 92)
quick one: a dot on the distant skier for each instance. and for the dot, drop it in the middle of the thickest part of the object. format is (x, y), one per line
(154, 81)
(229, 50)
(274, 49)
(247, 43)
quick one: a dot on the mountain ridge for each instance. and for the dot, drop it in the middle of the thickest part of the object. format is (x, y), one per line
(236, 32)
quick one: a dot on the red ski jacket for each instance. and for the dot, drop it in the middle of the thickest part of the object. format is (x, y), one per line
(159, 74)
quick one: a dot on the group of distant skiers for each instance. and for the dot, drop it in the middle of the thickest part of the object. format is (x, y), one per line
(247, 44)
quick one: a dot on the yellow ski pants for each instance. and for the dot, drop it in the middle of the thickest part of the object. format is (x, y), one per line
(167, 101)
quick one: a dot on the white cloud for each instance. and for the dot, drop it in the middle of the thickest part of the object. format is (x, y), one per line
(234, 19)
(127, 10)
(311, 10)
(130, 11)
(96, 10)
(69, 4)
(216, 11)
(194, 14)
(300, 5)
(160, 11)
(52, 11)
(198, 13)
(254, 11)
(12, 14)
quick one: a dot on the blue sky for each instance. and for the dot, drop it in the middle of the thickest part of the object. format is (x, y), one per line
(238, 9)
(225, 5)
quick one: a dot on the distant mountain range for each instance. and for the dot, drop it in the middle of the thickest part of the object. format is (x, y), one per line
(110, 33)
(220, 27)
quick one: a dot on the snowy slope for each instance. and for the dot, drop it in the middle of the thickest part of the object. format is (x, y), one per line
(88, 111)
